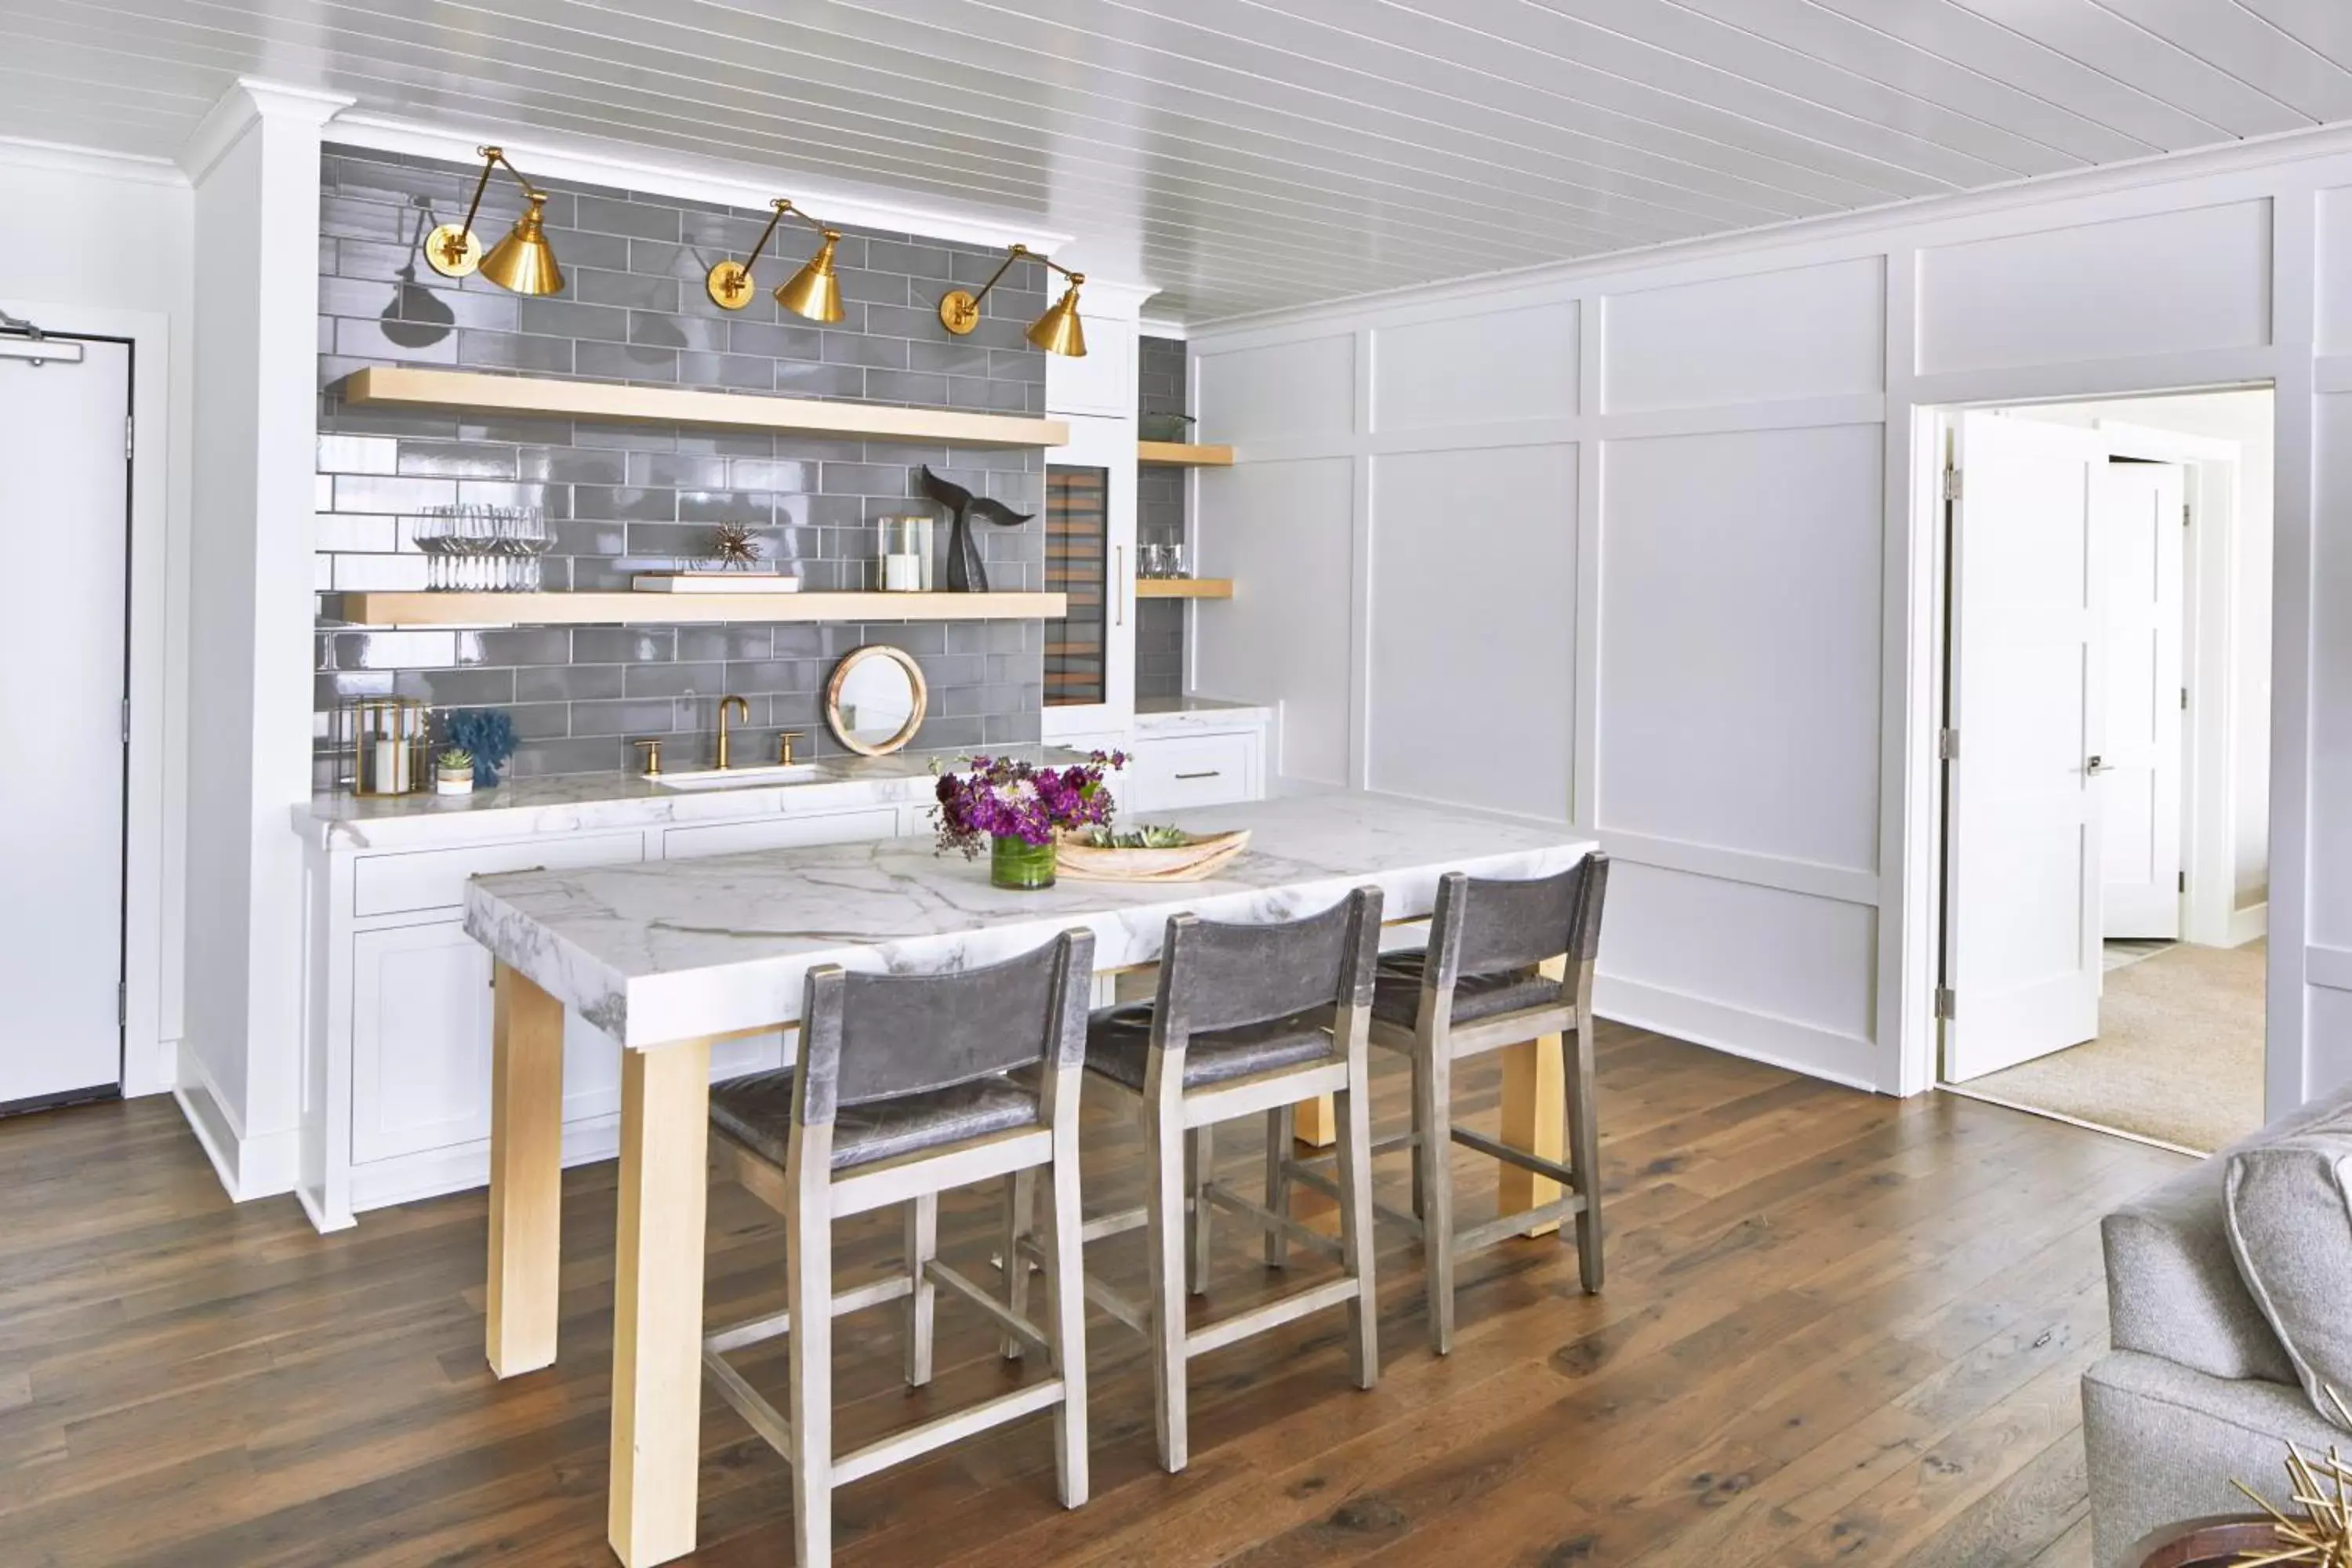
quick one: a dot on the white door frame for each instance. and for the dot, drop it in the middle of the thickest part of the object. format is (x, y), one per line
(155, 771)
(1931, 438)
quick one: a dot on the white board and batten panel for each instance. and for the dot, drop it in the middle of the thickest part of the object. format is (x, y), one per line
(1493, 368)
(1287, 528)
(2331, 706)
(1473, 628)
(1739, 642)
(1764, 972)
(2167, 282)
(1765, 337)
(2332, 323)
(1294, 391)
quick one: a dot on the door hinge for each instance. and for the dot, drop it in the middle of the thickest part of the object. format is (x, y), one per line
(1946, 1004)
(126, 720)
(2184, 881)
(122, 1004)
(2184, 699)
(1947, 745)
(1951, 484)
(130, 436)
(2184, 514)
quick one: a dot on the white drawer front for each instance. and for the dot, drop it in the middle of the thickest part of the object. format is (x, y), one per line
(1189, 770)
(780, 833)
(435, 879)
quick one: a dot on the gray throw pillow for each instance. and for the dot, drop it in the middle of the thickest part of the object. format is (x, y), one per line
(2290, 1205)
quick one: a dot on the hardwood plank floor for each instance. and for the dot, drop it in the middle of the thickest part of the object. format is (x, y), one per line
(1837, 1328)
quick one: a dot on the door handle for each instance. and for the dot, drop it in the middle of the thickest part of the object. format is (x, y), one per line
(2095, 766)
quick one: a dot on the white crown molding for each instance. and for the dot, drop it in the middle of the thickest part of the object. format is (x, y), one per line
(1159, 327)
(246, 105)
(2137, 174)
(1112, 298)
(727, 183)
(22, 152)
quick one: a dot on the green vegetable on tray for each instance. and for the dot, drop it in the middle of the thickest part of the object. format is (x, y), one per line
(1145, 837)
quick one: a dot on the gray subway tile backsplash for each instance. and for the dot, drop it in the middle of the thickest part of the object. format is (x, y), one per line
(622, 499)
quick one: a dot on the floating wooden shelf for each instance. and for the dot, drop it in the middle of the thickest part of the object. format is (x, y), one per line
(403, 387)
(676, 609)
(1184, 455)
(1183, 587)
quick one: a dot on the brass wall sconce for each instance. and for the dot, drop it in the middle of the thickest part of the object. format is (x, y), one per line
(814, 292)
(522, 262)
(1058, 331)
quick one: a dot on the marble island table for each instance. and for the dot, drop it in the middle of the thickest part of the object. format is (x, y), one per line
(665, 957)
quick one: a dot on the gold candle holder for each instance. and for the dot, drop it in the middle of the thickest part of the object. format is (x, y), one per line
(390, 741)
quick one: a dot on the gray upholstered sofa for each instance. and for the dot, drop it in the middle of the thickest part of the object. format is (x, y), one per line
(2200, 1386)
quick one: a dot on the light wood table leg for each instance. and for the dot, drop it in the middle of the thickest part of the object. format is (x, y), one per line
(658, 1302)
(1534, 1116)
(1315, 1122)
(526, 1174)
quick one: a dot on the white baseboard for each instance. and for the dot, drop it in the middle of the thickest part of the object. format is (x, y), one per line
(463, 1167)
(2247, 924)
(249, 1167)
(1806, 1048)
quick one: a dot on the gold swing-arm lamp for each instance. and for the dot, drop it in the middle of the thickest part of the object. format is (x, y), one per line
(522, 262)
(814, 292)
(1058, 331)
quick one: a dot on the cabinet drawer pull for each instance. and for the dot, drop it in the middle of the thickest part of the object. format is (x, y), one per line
(1212, 773)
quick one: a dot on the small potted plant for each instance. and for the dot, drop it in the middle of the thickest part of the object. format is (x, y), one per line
(1020, 809)
(453, 772)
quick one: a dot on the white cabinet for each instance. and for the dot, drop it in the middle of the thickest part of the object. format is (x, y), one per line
(780, 833)
(1170, 773)
(420, 1040)
(1104, 381)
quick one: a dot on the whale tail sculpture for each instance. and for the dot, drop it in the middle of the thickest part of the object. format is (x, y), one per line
(965, 573)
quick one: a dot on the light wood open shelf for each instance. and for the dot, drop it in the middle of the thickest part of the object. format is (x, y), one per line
(401, 386)
(1184, 455)
(378, 609)
(1183, 587)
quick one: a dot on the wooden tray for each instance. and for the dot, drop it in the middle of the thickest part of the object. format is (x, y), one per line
(1194, 862)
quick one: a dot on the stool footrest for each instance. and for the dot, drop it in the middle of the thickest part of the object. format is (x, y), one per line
(1503, 1227)
(1523, 1159)
(1274, 1314)
(1010, 1322)
(917, 1441)
(771, 1325)
(1233, 1203)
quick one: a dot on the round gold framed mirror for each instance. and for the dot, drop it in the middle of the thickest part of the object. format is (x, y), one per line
(875, 702)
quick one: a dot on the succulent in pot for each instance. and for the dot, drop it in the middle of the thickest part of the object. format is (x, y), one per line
(453, 772)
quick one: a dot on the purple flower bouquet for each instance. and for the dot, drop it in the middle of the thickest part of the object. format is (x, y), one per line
(1019, 808)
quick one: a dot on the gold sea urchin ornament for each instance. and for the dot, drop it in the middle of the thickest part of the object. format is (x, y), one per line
(2322, 1538)
(734, 548)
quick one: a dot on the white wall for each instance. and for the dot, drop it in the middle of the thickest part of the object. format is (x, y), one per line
(1719, 446)
(108, 254)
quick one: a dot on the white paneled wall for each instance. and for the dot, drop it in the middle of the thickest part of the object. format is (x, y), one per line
(1701, 477)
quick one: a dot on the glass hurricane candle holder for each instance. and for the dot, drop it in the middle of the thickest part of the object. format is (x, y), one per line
(903, 554)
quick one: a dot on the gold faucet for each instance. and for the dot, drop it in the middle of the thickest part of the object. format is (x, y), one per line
(744, 710)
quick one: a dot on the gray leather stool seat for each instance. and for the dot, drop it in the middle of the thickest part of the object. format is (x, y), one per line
(756, 1111)
(1396, 991)
(1118, 1046)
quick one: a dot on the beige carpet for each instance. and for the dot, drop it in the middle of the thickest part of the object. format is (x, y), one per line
(2178, 1057)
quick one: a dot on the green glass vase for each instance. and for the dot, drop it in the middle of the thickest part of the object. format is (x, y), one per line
(1014, 862)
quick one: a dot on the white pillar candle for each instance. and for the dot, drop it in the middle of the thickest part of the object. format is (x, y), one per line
(386, 767)
(902, 574)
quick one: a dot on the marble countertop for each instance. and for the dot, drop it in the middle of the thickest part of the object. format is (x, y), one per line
(524, 807)
(1159, 715)
(667, 951)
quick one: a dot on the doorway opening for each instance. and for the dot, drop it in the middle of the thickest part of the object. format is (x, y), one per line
(2104, 760)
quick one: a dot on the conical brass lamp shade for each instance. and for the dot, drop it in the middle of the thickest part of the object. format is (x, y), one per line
(524, 261)
(814, 292)
(1059, 330)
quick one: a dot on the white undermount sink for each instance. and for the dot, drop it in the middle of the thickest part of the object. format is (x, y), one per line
(737, 778)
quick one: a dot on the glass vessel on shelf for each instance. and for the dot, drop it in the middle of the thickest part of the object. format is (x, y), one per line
(902, 562)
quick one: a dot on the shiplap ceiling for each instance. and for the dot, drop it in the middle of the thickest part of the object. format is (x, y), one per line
(1243, 155)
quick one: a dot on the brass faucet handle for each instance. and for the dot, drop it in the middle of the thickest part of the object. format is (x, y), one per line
(784, 739)
(653, 757)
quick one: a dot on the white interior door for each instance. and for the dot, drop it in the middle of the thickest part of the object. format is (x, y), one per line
(64, 480)
(2138, 511)
(2022, 853)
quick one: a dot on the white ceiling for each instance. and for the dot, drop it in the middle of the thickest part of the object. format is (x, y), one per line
(1245, 155)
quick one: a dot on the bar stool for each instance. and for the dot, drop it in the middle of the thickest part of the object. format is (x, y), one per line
(907, 1085)
(1249, 1019)
(1476, 988)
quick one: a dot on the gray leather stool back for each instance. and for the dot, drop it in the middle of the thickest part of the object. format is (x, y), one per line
(1483, 926)
(867, 1038)
(1217, 975)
